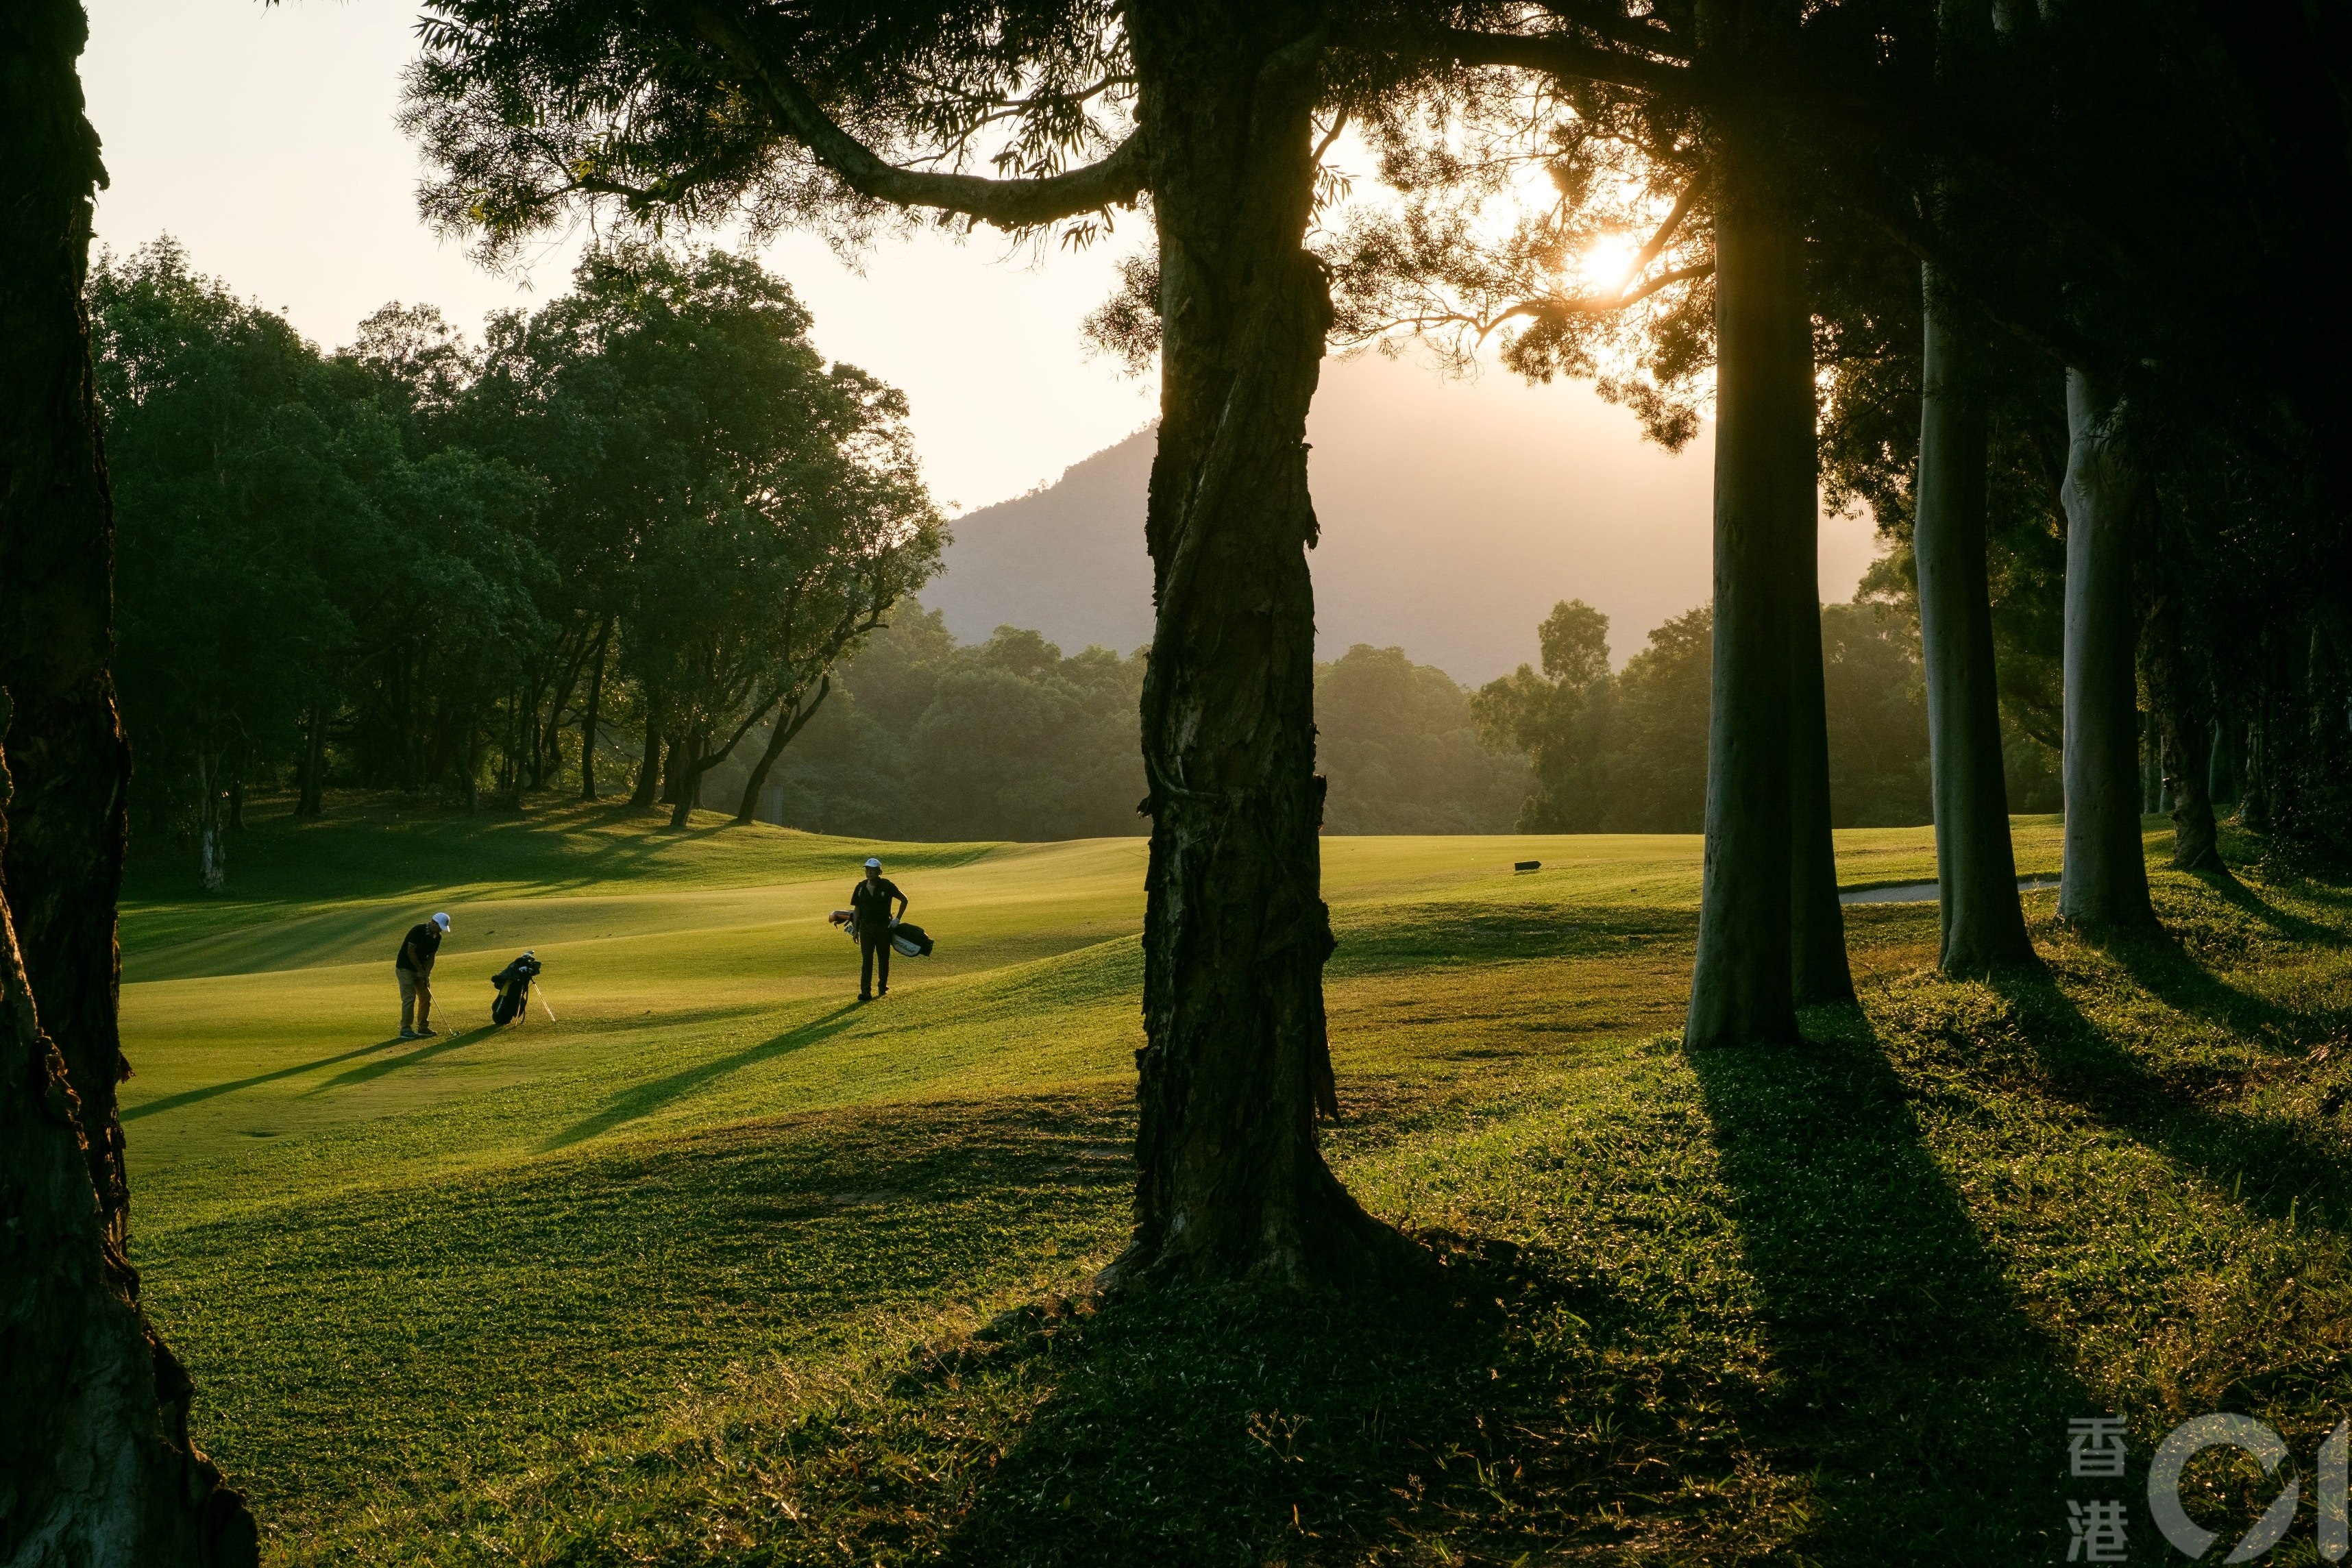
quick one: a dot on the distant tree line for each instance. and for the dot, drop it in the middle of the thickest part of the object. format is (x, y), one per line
(630, 529)
(926, 737)
(1626, 753)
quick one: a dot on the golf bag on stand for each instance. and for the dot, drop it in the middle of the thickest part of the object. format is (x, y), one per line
(514, 989)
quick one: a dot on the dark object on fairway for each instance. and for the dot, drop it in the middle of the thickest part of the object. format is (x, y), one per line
(1527, 865)
(909, 941)
(514, 989)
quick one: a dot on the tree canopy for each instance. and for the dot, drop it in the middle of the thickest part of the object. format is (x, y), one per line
(411, 564)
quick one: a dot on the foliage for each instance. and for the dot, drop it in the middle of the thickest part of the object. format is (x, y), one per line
(411, 564)
(1627, 753)
(1400, 747)
(1005, 738)
(924, 738)
(277, 529)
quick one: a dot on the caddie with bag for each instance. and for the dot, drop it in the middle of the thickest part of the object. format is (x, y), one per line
(869, 910)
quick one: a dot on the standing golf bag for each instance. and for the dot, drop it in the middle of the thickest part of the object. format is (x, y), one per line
(514, 989)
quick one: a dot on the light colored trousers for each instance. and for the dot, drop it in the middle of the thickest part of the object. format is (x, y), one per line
(416, 997)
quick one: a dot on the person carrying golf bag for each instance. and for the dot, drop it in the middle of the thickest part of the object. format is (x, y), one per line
(514, 988)
(869, 907)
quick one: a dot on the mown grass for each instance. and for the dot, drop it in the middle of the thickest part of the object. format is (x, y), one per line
(756, 1278)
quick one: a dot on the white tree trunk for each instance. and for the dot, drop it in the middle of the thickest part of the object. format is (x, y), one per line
(1976, 868)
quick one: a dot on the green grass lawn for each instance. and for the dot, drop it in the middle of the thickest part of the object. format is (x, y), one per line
(715, 1267)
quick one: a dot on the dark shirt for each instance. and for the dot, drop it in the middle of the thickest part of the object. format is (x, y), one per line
(870, 903)
(425, 941)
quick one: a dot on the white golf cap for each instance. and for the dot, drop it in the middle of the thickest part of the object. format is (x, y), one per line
(872, 863)
(441, 920)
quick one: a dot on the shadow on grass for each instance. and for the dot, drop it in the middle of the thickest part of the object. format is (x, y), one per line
(1929, 1408)
(2239, 895)
(2157, 962)
(644, 1098)
(425, 1052)
(2276, 1168)
(211, 1090)
(1246, 1428)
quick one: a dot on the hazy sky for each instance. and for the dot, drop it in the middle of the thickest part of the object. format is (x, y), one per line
(263, 139)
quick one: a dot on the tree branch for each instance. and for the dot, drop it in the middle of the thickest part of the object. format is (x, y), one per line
(1557, 308)
(1552, 55)
(1666, 230)
(1116, 180)
(1620, 28)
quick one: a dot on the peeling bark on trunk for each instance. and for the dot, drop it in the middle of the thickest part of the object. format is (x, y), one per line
(2104, 879)
(1742, 989)
(95, 1462)
(1230, 1183)
(98, 1463)
(1975, 864)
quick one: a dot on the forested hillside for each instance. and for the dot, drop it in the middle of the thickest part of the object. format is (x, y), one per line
(927, 737)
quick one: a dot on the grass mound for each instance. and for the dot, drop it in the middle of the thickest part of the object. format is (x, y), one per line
(724, 1269)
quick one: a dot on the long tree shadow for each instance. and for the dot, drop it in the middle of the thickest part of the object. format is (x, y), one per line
(2239, 895)
(2276, 1168)
(2157, 962)
(427, 1052)
(644, 1098)
(211, 1090)
(1251, 1427)
(1930, 1407)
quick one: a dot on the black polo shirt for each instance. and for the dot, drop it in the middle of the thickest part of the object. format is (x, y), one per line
(870, 902)
(426, 940)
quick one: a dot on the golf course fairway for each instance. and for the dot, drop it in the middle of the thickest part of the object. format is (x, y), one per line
(698, 1262)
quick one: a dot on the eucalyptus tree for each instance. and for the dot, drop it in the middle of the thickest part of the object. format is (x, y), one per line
(96, 1452)
(837, 114)
(1982, 922)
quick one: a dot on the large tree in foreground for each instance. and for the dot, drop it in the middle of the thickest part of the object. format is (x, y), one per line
(838, 113)
(95, 1462)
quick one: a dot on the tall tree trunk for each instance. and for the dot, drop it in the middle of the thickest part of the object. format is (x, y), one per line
(650, 762)
(790, 720)
(1742, 987)
(547, 748)
(2184, 725)
(1818, 969)
(686, 767)
(313, 801)
(1231, 1182)
(96, 1465)
(212, 844)
(589, 720)
(2104, 879)
(1976, 865)
(673, 786)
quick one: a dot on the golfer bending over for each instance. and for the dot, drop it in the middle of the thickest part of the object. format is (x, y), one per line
(414, 969)
(870, 903)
